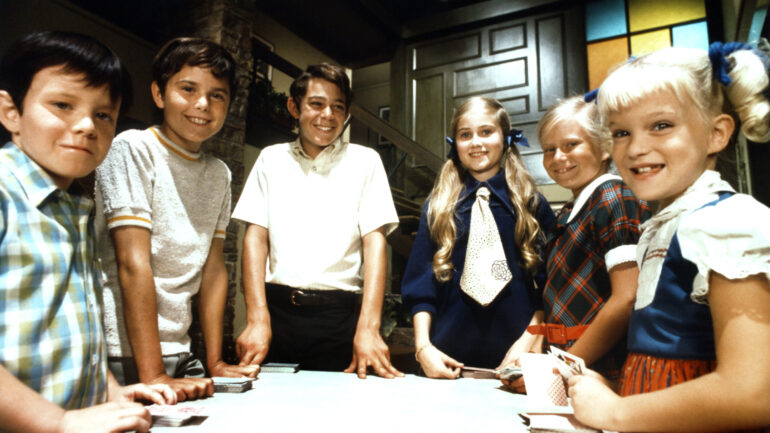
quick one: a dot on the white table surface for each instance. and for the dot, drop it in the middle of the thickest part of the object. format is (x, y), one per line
(312, 401)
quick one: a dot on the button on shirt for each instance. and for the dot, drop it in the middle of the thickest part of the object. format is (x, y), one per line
(316, 212)
(51, 334)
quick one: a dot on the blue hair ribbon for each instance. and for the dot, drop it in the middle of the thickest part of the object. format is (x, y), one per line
(452, 149)
(718, 53)
(516, 136)
(591, 96)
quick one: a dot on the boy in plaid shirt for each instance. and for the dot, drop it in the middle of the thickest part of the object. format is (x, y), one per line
(60, 102)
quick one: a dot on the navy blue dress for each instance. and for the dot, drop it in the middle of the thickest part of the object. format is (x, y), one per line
(460, 327)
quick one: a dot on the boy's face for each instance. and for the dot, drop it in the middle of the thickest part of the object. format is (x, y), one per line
(321, 115)
(66, 126)
(194, 106)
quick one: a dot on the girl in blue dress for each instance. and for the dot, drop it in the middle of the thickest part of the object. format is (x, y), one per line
(463, 316)
(699, 335)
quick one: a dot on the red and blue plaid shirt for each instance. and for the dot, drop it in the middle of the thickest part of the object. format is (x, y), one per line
(578, 282)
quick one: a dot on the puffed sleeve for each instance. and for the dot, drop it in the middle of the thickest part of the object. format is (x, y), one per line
(617, 216)
(419, 288)
(731, 238)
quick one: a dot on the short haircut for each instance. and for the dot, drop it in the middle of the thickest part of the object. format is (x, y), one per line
(325, 71)
(74, 52)
(180, 52)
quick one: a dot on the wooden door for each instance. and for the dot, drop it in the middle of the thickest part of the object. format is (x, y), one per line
(527, 63)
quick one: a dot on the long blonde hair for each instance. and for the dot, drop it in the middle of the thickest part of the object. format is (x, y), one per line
(451, 180)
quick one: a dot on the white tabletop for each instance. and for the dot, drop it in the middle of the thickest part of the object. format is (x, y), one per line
(312, 401)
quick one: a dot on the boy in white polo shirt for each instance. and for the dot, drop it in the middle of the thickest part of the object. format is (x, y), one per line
(320, 209)
(164, 208)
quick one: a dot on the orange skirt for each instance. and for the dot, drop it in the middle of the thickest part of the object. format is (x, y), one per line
(646, 373)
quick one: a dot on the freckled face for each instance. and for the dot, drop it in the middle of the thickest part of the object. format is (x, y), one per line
(660, 146)
(479, 144)
(570, 158)
(65, 125)
(194, 106)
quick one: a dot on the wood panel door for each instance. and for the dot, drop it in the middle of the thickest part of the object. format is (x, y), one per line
(527, 63)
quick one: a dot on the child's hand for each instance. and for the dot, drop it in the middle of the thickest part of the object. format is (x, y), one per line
(223, 369)
(158, 393)
(594, 402)
(188, 388)
(437, 364)
(107, 418)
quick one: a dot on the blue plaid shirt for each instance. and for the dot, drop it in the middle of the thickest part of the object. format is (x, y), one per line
(51, 335)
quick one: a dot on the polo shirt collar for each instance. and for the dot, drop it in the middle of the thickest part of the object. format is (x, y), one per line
(586, 193)
(329, 152)
(496, 185)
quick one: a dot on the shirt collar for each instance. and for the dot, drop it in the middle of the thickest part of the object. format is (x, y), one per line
(497, 185)
(35, 182)
(701, 192)
(173, 147)
(329, 152)
(586, 193)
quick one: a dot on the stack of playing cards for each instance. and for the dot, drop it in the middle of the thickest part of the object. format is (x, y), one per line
(173, 415)
(232, 384)
(279, 367)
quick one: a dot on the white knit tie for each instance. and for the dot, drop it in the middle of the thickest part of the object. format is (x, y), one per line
(486, 269)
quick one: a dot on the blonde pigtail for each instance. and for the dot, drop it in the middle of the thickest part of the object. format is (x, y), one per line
(748, 80)
(441, 218)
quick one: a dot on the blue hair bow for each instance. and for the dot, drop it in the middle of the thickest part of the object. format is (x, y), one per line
(591, 96)
(516, 136)
(718, 53)
(452, 149)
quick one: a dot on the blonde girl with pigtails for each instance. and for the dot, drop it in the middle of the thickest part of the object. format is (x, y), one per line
(473, 279)
(699, 335)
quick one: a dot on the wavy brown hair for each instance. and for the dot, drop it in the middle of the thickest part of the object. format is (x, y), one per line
(449, 184)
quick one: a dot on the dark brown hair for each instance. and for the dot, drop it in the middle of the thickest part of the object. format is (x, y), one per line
(331, 73)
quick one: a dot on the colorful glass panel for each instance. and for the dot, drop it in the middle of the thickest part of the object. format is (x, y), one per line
(651, 41)
(605, 19)
(695, 35)
(602, 56)
(648, 14)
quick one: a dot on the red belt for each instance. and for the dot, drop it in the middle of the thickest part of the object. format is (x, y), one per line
(557, 333)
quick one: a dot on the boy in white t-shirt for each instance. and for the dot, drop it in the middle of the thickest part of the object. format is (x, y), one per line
(320, 209)
(164, 207)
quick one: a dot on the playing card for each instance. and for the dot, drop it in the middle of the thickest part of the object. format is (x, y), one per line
(544, 387)
(173, 415)
(568, 364)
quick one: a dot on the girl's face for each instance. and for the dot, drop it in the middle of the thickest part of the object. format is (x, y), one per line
(479, 144)
(662, 146)
(570, 158)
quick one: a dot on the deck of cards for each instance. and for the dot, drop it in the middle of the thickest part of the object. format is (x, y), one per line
(232, 384)
(174, 415)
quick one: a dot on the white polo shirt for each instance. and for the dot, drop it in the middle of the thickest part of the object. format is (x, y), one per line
(316, 212)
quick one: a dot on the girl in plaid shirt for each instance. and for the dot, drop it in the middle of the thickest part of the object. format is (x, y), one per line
(698, 336)
(591, 251)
